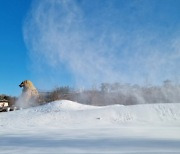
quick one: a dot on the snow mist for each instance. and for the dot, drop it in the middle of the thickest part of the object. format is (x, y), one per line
(100, 41)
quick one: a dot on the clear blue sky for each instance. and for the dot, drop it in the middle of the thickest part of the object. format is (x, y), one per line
(134, 31)
(14, 59)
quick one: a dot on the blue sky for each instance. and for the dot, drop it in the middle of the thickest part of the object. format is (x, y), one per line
(14, 56)
(85, 42)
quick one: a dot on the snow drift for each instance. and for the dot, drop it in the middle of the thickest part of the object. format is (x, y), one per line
(67, 113)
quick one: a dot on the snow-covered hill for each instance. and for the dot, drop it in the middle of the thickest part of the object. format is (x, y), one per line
(66, 113)
(75, 128)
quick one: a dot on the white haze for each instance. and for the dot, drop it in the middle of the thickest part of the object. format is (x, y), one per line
(24, 102)
(95, 41)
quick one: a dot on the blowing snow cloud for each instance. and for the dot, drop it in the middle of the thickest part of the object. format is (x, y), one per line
(99, 41)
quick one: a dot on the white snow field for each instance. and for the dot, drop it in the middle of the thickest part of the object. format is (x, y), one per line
(70, 127)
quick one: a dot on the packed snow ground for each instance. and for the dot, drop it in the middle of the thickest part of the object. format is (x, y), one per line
(70, 127)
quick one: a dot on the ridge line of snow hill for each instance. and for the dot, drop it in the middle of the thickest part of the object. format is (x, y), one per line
(64, 105)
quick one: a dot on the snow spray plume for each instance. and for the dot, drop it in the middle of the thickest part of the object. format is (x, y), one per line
(22, 102)
(101, 41)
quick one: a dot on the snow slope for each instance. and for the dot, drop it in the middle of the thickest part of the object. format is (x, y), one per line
(70, 127)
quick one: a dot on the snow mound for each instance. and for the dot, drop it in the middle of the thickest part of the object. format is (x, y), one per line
(68, 114)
